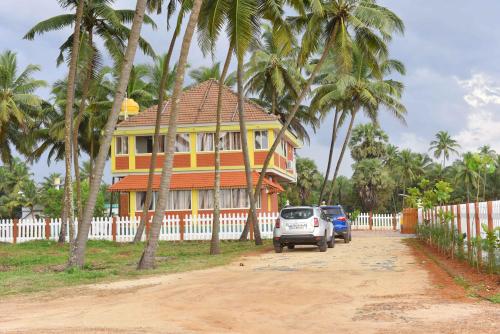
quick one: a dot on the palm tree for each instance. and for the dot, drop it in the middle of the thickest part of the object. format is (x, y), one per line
(309, 180)
(204, 73)
(443, 145)
(489, 165)
(77, 256)
(17, 103)
(166, 80)
(366, 89)
(466, 172)
(102, 20)
(329, 24)
(371, 178)
(148, 256)
(368, 141)
(409, 168)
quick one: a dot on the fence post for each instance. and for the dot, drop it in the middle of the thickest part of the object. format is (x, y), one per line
(490, 216)
(182, 227)
(467, 212)
(113, 227)
(47, 228)
(370, 220)
(478, 234)
(394, 222)
(459, 219)
(15, 230)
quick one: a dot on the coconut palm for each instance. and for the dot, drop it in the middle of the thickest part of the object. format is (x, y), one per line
(148, 256)
(17, 104)
(204, 73)
(466, 173)
(77, 256)
(365, 89)
(489, 164)
(335, 24)
(161, 80)
(443, 146)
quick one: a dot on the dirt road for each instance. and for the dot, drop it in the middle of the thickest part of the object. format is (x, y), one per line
(373, 285)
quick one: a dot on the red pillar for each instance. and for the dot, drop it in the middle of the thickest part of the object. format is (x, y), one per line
(490, 216)
(113, 228)
(467, 212)
(478, 233)
(182, 229)
(459, 219)
(370, 220)
(15, 230)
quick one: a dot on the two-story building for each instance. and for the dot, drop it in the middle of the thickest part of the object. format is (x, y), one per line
(193, 175)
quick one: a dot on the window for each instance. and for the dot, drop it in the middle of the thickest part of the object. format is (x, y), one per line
(182, 142)
(297, 213)
(230, 141)
(177, 200)
(261, 141)
(121, 143)
(205, 142)
(283, 148)
(143, 144)
(229, 199)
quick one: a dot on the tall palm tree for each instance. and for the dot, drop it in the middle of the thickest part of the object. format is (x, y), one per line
(443, 146)
(466, 173)
(148, 256)
(101, 20)
(204, 73)
(77, 256)
(165, 81)
(17, 103)
(368, 141)
(331, 24)
(489, 165)
(366, 89)
(371, 178)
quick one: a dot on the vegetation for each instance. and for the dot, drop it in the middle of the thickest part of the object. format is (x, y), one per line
(40, 265)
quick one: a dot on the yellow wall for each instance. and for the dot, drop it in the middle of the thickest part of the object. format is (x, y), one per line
(132, 203)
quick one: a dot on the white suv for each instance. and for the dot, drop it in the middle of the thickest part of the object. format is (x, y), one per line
(303, 225)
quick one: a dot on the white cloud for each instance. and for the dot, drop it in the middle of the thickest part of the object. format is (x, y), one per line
(482, 128)
(482, 90)
(409, 140)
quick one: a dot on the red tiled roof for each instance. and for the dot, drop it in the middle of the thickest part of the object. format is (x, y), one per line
(192, 181)
(198, 105)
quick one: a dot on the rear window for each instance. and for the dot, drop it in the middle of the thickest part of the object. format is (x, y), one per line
(333, 211)
(303, 213)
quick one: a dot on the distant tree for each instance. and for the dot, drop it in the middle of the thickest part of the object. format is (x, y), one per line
(368, 141)
(371, 180)
(204, 73)
(443, 146)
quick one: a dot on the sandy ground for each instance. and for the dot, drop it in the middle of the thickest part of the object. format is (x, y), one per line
(373, 285)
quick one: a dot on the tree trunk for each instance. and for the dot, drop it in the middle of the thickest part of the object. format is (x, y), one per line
(68, 123)
(252, 217)
(147, 260)
(77, 256)
(81, 111)
(341, 156)
(154, 155)
(291, 116)
(330, 156)
(215, 242)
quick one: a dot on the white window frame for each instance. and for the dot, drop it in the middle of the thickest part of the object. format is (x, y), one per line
(233, 146)
(121, 142)
(232, 206)
(170, 200)
(136, 146)
(264, 145)
(188, 137)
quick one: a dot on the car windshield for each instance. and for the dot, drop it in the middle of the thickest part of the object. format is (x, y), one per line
(333, 211)
(299, 213)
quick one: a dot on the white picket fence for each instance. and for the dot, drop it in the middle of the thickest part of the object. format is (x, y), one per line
(191, 227)
(463, 223)
(380, 222)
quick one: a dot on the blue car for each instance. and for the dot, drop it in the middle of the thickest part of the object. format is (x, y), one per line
(340, 221)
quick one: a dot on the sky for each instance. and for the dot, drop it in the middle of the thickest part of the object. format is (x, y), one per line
(451, 49)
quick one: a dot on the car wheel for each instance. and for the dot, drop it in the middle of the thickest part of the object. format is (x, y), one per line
(291, 246)
(347, 238)
(323, 246)
(278, 248)
(331, 243)
(350, 236)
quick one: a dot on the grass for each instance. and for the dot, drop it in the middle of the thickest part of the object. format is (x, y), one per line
(39, 265)
(495, 298)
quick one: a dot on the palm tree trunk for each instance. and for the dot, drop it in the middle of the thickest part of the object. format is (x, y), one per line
(215, 242)
(81, 111)
(252, 217)
(68, 123)
(77, 256)
(341, 156)
(154, 155)
(330, 156)
(148, 256)
(291, 116)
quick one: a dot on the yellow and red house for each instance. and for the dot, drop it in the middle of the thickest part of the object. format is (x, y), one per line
(193, 176)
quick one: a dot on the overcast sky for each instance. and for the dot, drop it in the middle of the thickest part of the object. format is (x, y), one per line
(451, 50)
